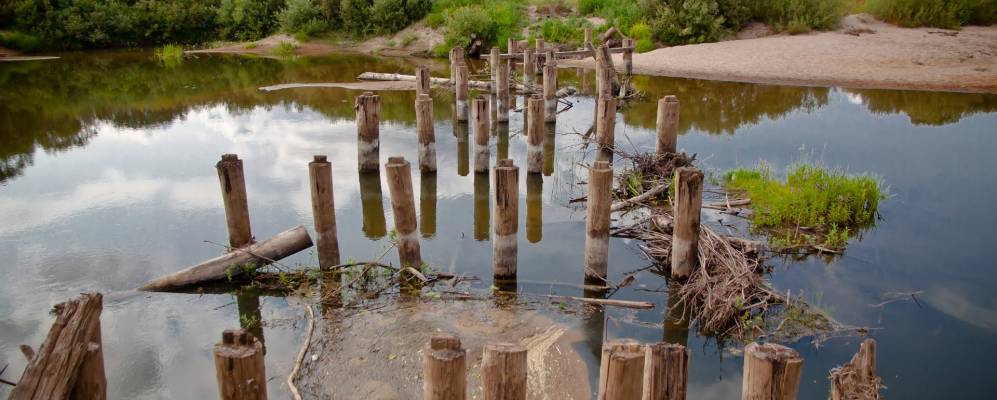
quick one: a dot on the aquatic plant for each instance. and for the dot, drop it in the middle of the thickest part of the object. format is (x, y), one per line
(814, 205)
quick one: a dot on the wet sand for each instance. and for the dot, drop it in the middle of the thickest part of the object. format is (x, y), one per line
(863, 53)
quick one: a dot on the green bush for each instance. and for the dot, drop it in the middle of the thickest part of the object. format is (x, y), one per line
(798, 16)
(390, 16)
(937, 13)
(301, 17)
(693, 21)
(355, 15)
(569, 31)
(20, 41)
(247, 19)
(492, 21)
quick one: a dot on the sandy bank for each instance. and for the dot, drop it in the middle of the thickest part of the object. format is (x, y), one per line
(863, 53)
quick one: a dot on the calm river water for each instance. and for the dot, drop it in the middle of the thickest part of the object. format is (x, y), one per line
(107, 180)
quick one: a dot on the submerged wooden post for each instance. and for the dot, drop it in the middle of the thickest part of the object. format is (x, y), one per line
(600, 198)
(503, 372)
(233, 183)
(422, 79)
(460, 88)
(550, 88)
(494, 59)
(239, 367)
(324, 212)
(368, 109)
(535, 135)
(685, 234)
(771, 372)
(666, 371)
(621, 371)
(480, 133)
(504, 244)
(403, 207)
(502, 94)
(667, 124)
(605, 127)
(628, 56)
(427, 134)
(529, 66)
(444, 369)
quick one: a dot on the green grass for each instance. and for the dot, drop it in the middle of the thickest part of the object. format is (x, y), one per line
(569, 31)
(285, 49)
(937, 13)
(814, 205)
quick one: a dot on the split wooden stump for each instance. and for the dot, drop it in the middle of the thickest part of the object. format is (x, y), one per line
(444, 369)
(239, 367)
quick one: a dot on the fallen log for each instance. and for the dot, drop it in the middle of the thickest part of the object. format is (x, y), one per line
(591, 300)
(70, 362)
(729, 204)
(485, 85)
(639, 198)
(231, 264)
(563, 54)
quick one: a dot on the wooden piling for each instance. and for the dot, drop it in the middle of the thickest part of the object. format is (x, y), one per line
(667, 125)
(529, 66)
(239, 367)
(550, 89)
(534, 208)
(427, 134)
(427, 204)
(628, 56)
(857, 379)
(233, 183)
(494, 60)
(541, 47)
(621, 371)
(600, 198)
(771, 372)
(460, 89)
(403, 207)
(605, 127)
(480, 133)
(324, 212)
(502, 93)
(588, 39)
(535, 136)
(456, 58)
(444, 369)
(368, 110)
(685, 234)
(422, 78)
(503, 372)
(504, 244)
(666, 371)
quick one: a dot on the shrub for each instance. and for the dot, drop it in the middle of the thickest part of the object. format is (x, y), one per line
(570, 31)
(389, 16)
(20, 41)
(246, 19)
(693, 21)
(301, 17)
(493, 22)
(644, 45)
(937, 13)
(798, 16)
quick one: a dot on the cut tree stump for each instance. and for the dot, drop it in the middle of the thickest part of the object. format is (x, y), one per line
(257, 255)
(70, 362)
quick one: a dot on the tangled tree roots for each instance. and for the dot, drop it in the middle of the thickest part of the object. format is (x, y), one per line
(727, 295)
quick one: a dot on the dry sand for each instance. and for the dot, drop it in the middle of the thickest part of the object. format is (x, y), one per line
(863, 53)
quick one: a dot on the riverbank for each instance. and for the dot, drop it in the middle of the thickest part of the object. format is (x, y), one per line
(862, 53)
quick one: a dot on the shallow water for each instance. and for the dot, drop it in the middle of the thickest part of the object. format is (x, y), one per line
(107, 181)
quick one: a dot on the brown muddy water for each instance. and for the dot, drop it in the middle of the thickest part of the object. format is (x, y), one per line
(107, 181)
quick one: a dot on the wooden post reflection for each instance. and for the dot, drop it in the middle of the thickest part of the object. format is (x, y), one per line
(534, 208)
(595, 331)
(463, 149)
(502, 141)
(481, 213)
(676, 322)
(427, 204)
(250, 316)
(548, 167)
(372, 205)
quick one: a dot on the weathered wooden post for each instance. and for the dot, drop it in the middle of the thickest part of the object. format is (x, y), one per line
(481, 211)
(550, 88)
(480, 133)
(605, 128)
(422, 79)
(529, 66)
(239, 367)
(535, 136)
(628, 56)
(502, 111)
(855, 378)
(605, 71)
(460, 88)
(403, 207)
(368, 109)
(427, 134)
(456, 58)
(503, 371)
(771, 372)
(534, 208)
(685, 234)
(540, 45)
(504, 244)
(444, 369)
(372, 205)
(621, 371)
(667, 124)
(427, 204)
(600, 198)
(666, 371)
(324, 212)
(494, 59)
(588, 39)
(233, 183)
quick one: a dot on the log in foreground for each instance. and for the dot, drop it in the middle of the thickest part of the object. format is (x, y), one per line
(281, 245)
(70, 362)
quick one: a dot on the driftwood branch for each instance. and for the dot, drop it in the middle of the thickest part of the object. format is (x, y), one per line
(605, 302)
(640, 198)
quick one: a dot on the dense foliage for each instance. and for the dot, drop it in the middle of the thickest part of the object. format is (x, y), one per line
(938, 13)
